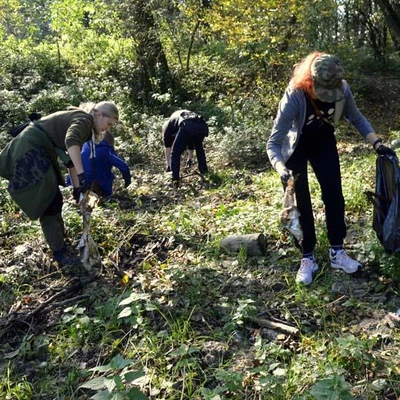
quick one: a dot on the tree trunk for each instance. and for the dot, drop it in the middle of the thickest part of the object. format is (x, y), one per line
(192, 36)
(254, 244)
(150, 53)
(154, 73)
(391, 17)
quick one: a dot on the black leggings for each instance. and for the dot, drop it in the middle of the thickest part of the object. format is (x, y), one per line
(320, 150)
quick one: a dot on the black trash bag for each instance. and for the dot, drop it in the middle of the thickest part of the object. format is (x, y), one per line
(386, 201)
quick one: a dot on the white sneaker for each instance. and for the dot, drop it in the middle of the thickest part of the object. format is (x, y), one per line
(341, 260)
(305, 273)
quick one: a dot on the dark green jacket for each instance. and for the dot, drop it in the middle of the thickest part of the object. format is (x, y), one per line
(68, 128)
(29, 161)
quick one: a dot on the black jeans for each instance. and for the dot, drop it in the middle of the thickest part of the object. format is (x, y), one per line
(320, 150)
(191, 134)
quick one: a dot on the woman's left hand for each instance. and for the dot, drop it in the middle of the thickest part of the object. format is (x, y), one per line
(382, 149)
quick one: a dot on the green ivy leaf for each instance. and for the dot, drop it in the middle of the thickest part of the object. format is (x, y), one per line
(94, 384)
(119, 362)
(104, 395)
(180, 351)
(133, 375)
(134, 297)
(335, 388)
(136, 394)
(118, 382)
(101, 368)
(126, 312)
(118, 396)
(110, 383)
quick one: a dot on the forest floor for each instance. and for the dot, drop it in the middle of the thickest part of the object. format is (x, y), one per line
(200, 323)
(380, 102)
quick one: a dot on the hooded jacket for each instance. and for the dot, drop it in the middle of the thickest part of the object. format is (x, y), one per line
(99, 168)
(290, 118)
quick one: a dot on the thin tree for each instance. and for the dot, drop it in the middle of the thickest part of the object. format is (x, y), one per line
(392, 19)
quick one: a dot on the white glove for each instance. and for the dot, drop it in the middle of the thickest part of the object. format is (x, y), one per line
(283, 172)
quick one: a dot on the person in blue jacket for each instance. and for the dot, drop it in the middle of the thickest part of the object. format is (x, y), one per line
(98, 169)
(303, 133)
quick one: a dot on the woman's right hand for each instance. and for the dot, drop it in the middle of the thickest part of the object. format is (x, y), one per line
(83, 184)
(76, 193)
(283, 172)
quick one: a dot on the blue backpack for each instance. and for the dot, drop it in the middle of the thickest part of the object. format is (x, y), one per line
(386, 201)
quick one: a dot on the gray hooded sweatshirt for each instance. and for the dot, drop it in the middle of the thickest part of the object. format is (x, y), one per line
(290, 118)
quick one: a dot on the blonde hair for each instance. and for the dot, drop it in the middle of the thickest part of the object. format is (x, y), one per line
(301, 78)
(108, 108)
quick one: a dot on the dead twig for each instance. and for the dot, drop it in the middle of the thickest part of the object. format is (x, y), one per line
(67, 301)
(58, 272)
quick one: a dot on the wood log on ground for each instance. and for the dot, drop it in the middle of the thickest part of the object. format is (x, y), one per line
(255, 244)
(291, 330)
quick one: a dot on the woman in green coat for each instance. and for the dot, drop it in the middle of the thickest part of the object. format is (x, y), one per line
(29, 162)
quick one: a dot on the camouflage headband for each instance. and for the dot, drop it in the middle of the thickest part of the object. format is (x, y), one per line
(327, 75)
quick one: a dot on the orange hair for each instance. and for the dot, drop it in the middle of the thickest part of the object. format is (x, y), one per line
(301, 78)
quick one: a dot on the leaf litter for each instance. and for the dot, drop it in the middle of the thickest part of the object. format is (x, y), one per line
(166, 264)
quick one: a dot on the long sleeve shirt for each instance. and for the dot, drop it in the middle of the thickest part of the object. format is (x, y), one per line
(289, 121)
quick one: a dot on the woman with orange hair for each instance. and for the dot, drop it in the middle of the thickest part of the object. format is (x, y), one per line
(303, 132)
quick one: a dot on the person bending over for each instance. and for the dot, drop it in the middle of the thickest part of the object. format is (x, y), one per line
(30, 163)
(98, 164)
(304, 133)
(184, 129)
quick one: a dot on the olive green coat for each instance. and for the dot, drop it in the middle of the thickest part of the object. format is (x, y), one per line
(29, 161)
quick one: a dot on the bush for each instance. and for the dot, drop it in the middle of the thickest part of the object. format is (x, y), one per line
(30, 80)
(241, 146)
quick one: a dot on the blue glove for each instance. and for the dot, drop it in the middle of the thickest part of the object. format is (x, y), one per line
(283, 172)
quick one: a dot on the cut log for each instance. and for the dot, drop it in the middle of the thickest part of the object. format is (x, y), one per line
(255, 244)
(291, 330)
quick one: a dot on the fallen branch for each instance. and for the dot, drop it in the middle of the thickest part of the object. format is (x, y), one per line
(42, 278)
(59, 294)
(18, 318)
(290, 330)
(67, 301)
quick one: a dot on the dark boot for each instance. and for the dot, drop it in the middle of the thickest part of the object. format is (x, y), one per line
(63, 258)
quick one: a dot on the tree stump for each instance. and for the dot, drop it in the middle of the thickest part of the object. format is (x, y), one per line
(255, 244)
